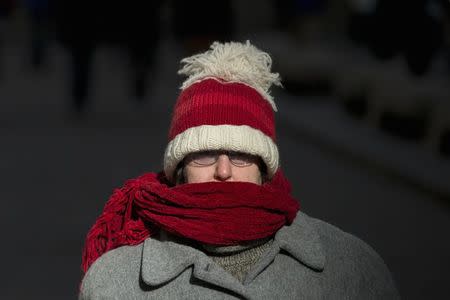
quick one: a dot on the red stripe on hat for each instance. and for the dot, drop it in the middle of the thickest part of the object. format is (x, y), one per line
(211, 102)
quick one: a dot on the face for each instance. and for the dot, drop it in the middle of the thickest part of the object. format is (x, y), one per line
(213, 166)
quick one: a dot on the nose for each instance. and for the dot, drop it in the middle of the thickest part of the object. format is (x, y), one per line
(223, 170)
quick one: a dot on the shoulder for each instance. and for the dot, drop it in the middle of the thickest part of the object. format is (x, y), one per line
(342, 245)
(111, 272)
(330, 237)
(351, 261)
(335, 239)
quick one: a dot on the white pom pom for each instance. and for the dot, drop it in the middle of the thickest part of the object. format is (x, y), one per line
(233, 62)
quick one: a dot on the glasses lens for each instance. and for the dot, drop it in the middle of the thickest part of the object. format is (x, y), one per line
(241, 159)
(204, 158)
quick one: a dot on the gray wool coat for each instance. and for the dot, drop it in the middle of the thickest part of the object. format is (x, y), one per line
(309, 259)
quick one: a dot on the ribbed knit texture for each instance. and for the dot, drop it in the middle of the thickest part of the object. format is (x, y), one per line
(228, 85)
(211, 102)
(241, 262)
(233, 138)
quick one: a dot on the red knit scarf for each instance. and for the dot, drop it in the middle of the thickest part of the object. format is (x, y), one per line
(215, 213)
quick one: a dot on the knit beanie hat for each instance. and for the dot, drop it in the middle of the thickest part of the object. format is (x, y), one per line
(225, 104)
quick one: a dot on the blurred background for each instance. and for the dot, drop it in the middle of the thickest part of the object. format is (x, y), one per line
(87, 88)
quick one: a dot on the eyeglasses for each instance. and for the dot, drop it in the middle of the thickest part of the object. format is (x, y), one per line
(208, 158)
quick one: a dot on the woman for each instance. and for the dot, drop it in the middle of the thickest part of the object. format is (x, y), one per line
(219, 222)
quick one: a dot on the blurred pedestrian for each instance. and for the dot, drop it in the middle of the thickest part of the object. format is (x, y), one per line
(408, 28)
(219, 222)
(132, 27)
(38, 14)
(300, 18)
(76, 25)
(197, 23)
(7, 8)
(360, 20)
(135, 28)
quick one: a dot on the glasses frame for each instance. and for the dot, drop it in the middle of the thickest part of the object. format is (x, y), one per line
(190, 159)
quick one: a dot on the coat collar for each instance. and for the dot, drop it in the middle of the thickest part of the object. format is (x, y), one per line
(302, 241)
(164, 260)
